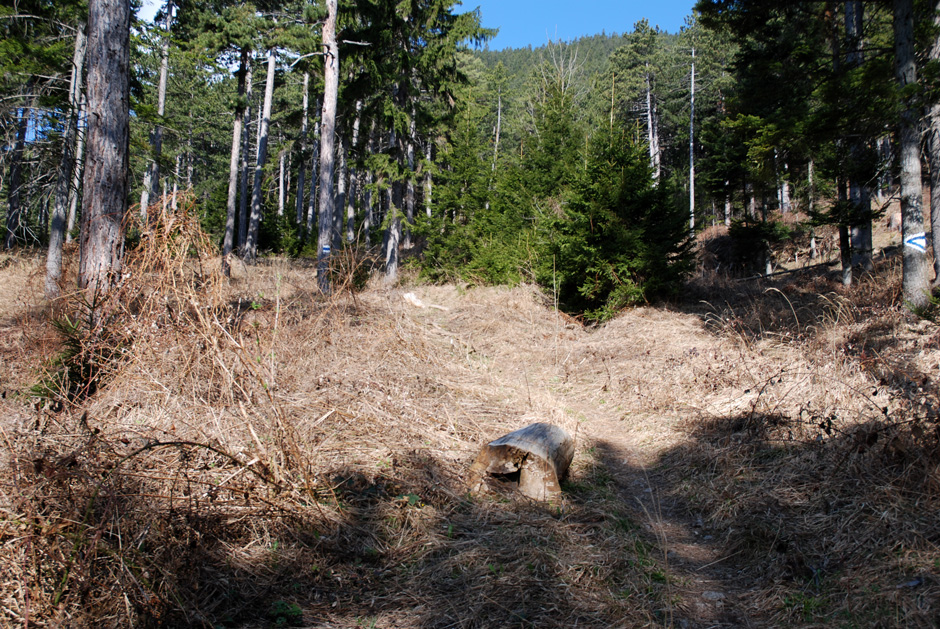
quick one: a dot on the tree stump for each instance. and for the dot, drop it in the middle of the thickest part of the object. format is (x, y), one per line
(534, 459)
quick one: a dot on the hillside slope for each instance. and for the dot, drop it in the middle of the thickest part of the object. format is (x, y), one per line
(258, 455)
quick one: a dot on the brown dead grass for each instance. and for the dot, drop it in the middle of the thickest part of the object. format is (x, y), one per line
(256, 447)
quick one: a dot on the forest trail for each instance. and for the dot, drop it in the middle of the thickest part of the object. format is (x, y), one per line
(750, 464)
(626, 390)
(705, 584)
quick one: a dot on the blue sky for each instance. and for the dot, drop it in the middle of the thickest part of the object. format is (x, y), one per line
(524, 22)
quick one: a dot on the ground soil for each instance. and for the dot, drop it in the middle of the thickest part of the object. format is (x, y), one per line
(723, 443)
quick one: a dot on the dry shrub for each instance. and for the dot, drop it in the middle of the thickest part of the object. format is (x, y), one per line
(258, 454)
(824, 484)
(253, 452)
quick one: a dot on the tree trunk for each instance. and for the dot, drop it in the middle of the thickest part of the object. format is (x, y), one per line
(254, 223)
(244, 172)
(410, 182)
(229, 238)
(915, 282)
(314, 162)
(499, 124)
(533, 459)
(328, 127)
(15, 189)
(79, 169)
(282, 156)
(302, 170)
(652, 128)
(692, 150)
(64, 175)
(339, 203)
(428, 181)
(859, 194)
(353, 191)
(152, 176)
(105, 187)
(933, 144)
(393, 233)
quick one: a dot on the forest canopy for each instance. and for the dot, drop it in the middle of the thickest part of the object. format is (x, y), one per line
(588, 166)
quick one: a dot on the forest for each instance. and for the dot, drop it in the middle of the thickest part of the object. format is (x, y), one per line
(273, 272)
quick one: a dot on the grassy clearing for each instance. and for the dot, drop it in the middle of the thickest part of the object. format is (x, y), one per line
(254, 455)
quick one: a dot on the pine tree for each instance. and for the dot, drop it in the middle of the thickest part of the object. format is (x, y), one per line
(106, 170)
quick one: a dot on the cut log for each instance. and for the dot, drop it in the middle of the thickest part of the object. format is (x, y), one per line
(534, 459)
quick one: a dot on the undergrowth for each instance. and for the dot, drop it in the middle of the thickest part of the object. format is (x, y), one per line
(246, 452)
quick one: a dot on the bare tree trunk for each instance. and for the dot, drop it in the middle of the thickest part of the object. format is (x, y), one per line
(915, 283)
(353, 191)
(282, 156)
(410, 181)
(339, 203)
(328, 127)
(302, 170)
(314, 163)
(933, 119)
(228, 240)
(254, 223)
(152, 176)
(244, 172)
(499, 124)
(428, 180)
(692, 150)
(811, 204)
(64, 175)
(176, 182)
(859, 193)
(79, 168)
(105, 188)
(845, 244)
(652, 129)
(393, 234)
(14, 191)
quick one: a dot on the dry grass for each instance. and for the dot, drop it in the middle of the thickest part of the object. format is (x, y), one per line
(257, 455)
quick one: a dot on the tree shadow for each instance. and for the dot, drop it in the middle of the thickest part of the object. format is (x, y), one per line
(807, 523)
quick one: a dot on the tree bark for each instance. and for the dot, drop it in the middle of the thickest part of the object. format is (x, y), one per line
(254, 223)
(859, 193)
(281, 162)
(353, 190)
(652, 128)
(915, 282)
(64, 175)
(314, 162)
(393, 233)
(15, 189)
(339, 204)
(428, 180)
(79, 169)
(327, 130)
(410, 182)
(105, 188)
(302, 170)
(534, 459)
(692, 149)
(152, 176)
(233, 168)
(246, 145)
(933, 120)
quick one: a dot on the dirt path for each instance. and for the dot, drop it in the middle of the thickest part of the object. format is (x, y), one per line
(623, 389)
(706, 585)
